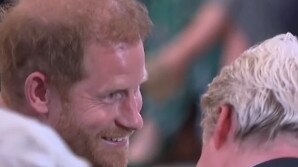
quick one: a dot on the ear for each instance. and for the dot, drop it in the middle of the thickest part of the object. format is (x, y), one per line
(223, 126)
(36, 90)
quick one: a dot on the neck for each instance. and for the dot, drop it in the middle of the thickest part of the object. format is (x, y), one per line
(248, 155)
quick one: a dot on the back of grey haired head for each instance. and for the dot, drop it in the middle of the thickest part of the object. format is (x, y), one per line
(262, 88)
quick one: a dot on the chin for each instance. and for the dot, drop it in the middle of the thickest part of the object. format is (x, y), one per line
(110, 162)
(109, 158)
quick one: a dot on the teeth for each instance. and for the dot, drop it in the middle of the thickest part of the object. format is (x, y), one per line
(115, 139)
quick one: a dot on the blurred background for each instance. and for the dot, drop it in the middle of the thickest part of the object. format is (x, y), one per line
(190, 42)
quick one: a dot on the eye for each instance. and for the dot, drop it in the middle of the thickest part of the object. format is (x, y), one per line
(114, 97)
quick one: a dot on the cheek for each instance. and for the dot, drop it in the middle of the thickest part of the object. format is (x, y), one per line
(56, 111)
(207, 157)
(93, 117)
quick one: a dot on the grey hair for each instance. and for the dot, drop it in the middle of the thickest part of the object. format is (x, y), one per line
(261, 86)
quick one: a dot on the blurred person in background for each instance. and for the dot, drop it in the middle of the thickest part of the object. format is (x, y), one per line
(77, 65)
(169, 119)
(250, 115)
(180, 70)
(239, 23)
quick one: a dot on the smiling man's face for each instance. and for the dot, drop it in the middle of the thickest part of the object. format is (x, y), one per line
(103, 109)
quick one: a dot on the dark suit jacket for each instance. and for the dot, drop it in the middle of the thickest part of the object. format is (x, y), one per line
(281, 162)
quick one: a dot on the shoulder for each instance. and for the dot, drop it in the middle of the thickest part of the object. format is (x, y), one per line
(280, 162)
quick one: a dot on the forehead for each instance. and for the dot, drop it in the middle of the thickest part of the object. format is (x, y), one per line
(119, 59)
(123, 53)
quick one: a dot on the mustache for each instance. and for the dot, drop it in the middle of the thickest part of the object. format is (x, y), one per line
(115, 133)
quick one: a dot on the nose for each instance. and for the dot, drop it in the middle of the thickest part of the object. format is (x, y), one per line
(130, 117)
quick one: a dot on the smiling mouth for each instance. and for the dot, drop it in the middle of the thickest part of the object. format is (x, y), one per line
(116, 142)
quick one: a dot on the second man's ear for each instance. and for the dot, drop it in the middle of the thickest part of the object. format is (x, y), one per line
(223, 126)
(36, 90)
